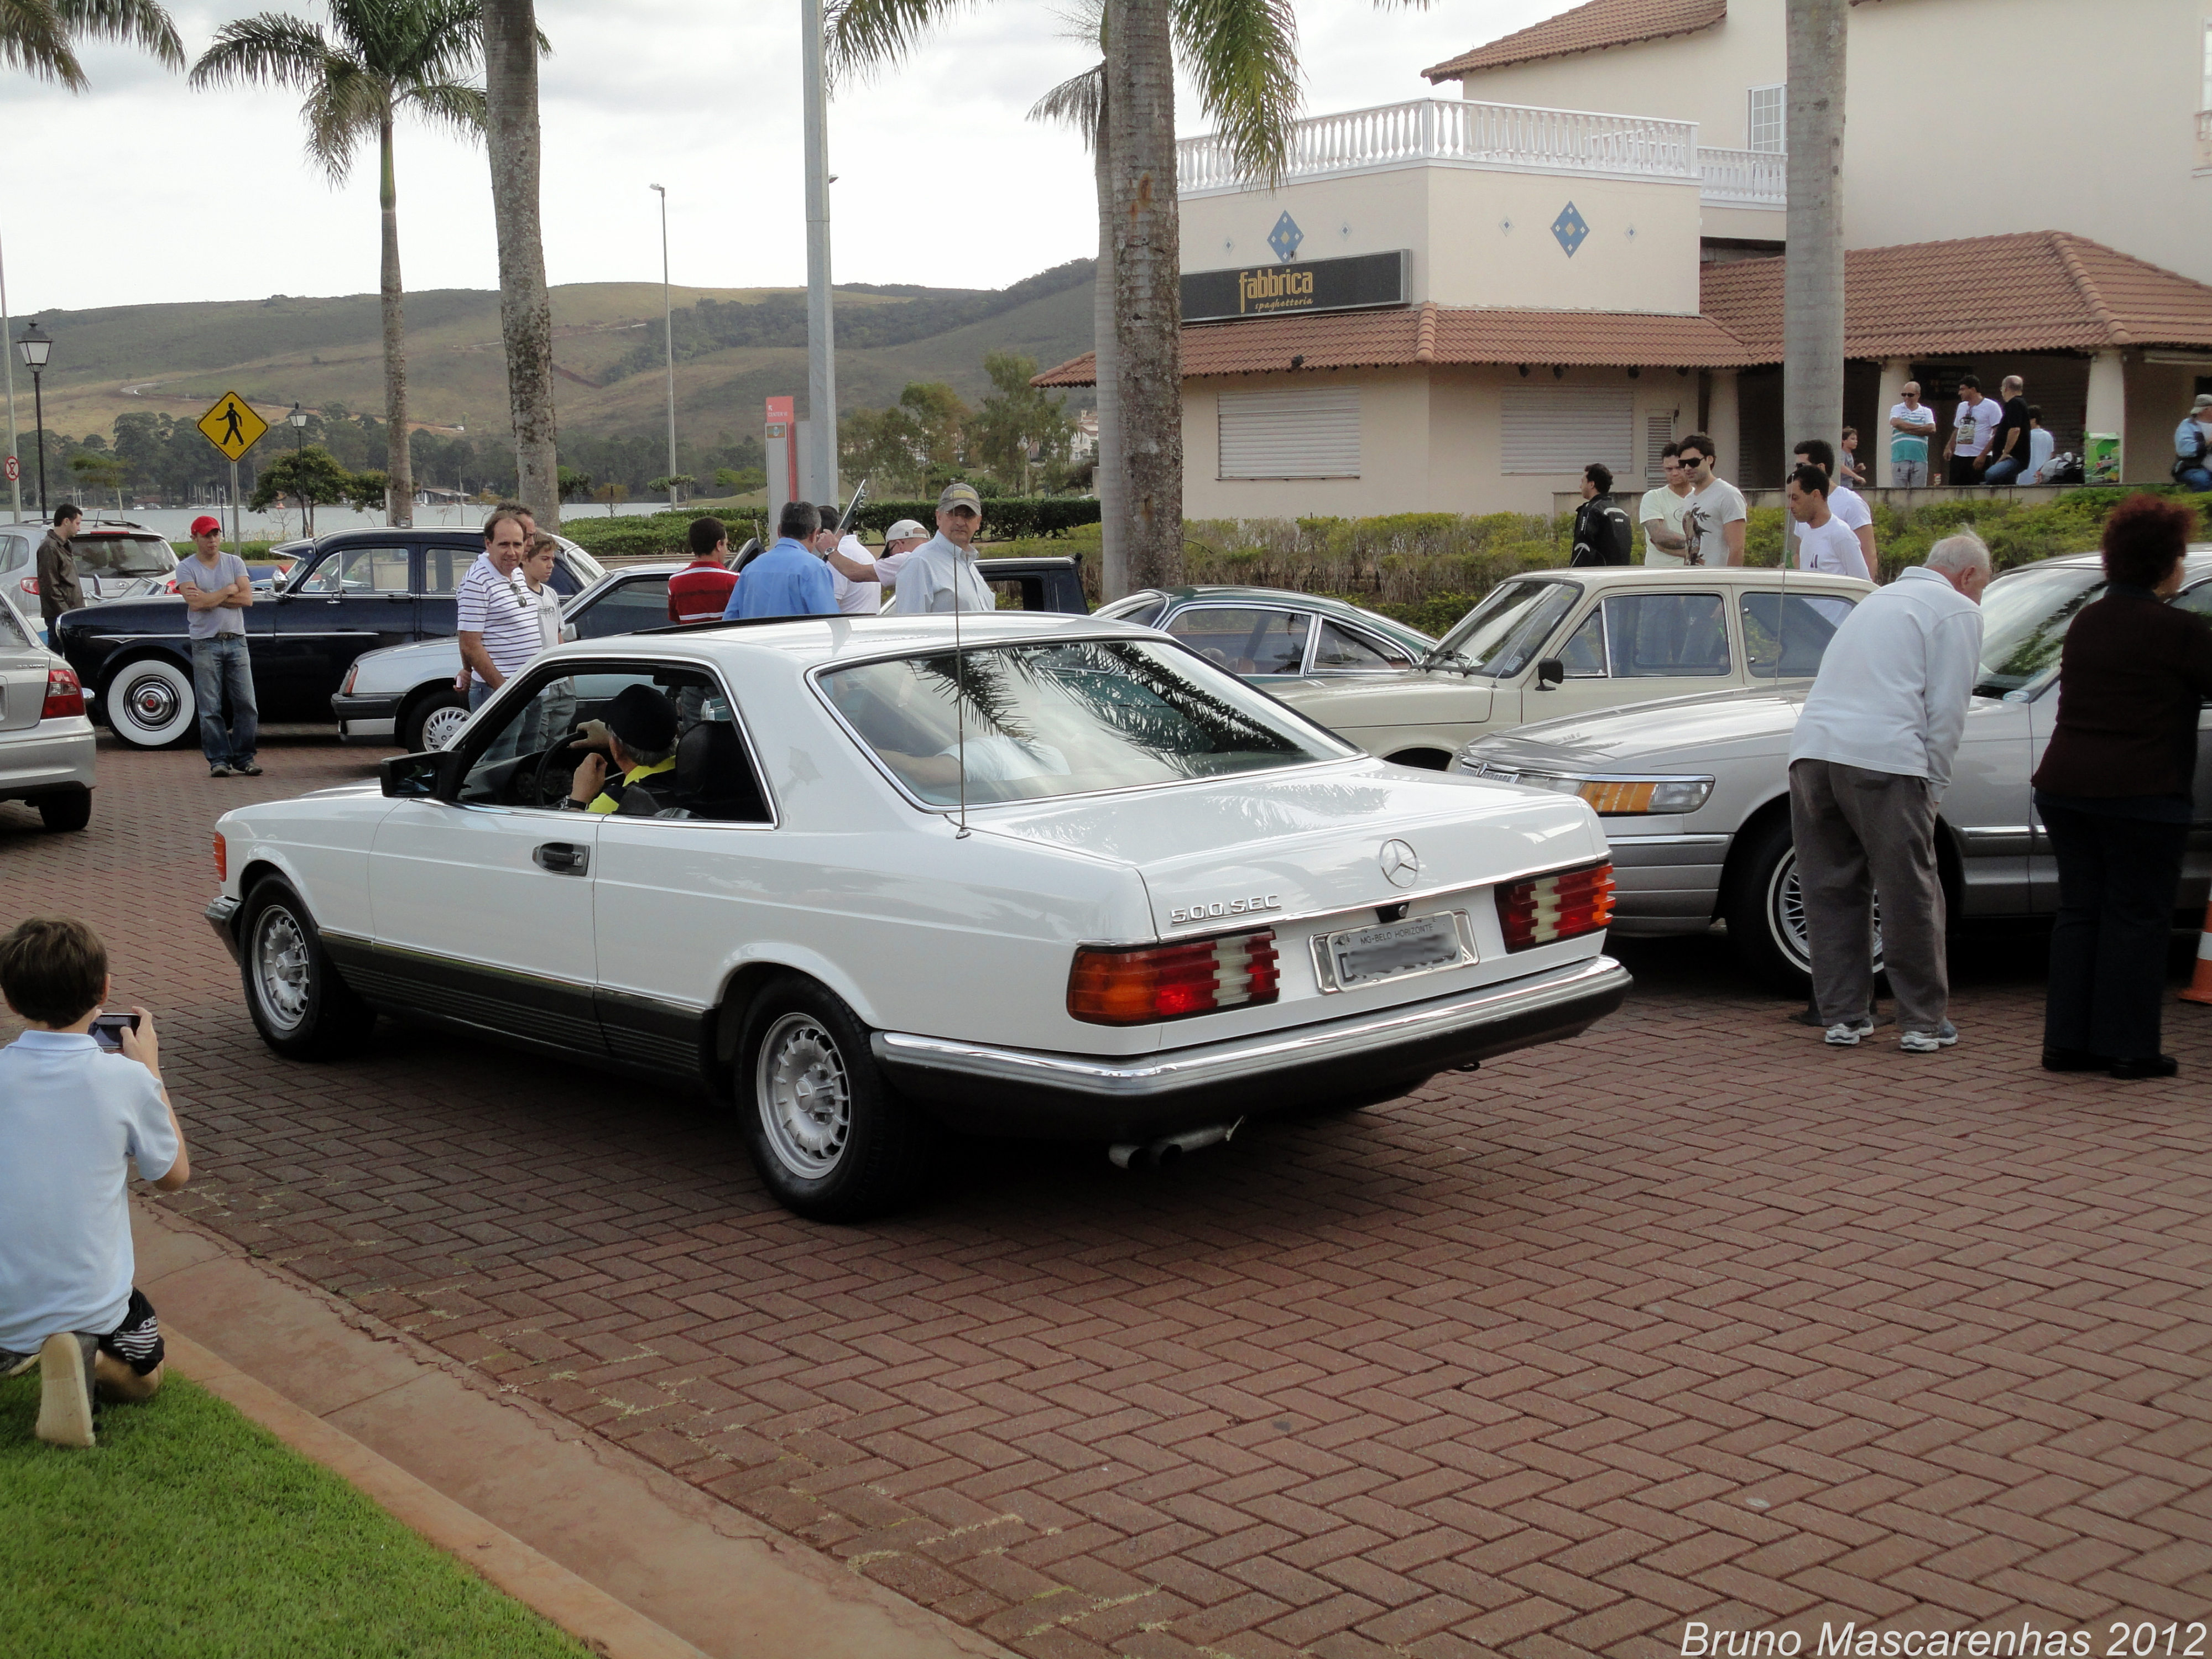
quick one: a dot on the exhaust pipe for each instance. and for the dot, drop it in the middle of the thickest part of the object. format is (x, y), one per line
(1158, 1154)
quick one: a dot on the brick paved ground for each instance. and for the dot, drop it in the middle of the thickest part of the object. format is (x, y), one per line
(1692, 1318)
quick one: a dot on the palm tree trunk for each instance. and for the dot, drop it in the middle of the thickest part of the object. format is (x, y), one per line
(525, 310)
(1108, 477)
(402, 509)
(1147, 285)
(1813, 265)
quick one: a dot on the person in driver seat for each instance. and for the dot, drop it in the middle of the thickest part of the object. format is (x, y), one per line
(639, 732)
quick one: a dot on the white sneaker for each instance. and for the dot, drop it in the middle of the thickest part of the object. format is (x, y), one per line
(1846, 1033)
(1926, 1042)
(64, 1393)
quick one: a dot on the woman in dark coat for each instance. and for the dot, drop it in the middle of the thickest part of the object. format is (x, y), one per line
(2114, 794)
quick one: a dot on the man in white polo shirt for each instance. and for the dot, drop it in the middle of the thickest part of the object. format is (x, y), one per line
(861, 583)
(497, 622)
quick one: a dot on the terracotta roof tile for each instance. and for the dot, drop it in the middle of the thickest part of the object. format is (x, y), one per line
(2036, 291)
(1587, 28)
(1436, 334)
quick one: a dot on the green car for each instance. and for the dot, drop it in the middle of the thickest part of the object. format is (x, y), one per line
(1272, 637)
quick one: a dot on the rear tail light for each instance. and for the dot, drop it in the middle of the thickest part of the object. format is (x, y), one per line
(1564, 904)
(1154, 982)
(29, 585)
(64, 695)
(222, 857)
(352, 674)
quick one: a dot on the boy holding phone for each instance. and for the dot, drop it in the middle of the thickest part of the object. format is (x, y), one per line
(73, 1119)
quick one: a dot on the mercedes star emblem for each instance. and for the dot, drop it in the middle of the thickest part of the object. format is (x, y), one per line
(1402, 864)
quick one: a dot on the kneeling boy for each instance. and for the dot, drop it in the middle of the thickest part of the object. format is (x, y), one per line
(73, 1116)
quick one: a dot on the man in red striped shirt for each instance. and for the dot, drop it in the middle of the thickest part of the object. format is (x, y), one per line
(699, 591)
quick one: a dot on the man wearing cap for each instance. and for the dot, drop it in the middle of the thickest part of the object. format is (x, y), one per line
(859, 582)
(639, 734)
(789, 579)
(216, 589)
(940, 574)
(2192, 467)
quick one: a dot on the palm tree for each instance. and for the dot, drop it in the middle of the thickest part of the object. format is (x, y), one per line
(37, 35)
(1813, 267)
(380, 60)
(1242, 55)
(512, 47)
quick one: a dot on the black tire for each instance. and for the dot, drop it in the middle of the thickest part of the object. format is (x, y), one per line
(150, 703)
(300, 1005)
(413, 731)
(830, 1138)
(71, 810)
(1764, 915)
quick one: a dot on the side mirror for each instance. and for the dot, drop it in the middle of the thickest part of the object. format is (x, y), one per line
(568, 633)
(433, 775)
(1549, 673)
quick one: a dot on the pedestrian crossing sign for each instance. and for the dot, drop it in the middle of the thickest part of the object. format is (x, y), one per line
(232, 426)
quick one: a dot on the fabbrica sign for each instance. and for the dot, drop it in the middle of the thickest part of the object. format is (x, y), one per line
(1364, 282)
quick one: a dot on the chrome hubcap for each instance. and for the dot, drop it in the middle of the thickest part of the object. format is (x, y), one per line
(153, 702)
(805, 1097)
(282, 969)
(443, 724)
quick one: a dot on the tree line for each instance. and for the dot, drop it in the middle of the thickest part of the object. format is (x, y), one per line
(1017, 442)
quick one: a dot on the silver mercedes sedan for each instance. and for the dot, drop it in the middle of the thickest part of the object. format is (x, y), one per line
(1694, 792)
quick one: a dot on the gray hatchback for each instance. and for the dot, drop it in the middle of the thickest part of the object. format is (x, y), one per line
(46, 743)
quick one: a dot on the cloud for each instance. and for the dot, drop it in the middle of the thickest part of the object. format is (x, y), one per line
(143, 190)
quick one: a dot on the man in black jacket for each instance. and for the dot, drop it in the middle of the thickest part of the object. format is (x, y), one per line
(1602, 532)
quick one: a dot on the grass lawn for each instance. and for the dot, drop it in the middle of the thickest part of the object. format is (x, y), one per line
(191, 1531)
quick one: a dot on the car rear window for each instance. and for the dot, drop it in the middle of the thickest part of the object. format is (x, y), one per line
(123, 555)
(1068, 718)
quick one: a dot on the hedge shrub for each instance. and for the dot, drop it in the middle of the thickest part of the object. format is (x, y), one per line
(659, 535)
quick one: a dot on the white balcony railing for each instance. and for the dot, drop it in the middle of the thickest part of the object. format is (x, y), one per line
(1744, 178)
(1452, 130)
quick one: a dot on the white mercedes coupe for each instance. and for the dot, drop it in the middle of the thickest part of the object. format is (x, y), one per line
(1068, 881)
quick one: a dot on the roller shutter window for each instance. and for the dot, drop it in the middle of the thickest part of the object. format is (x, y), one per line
(1658, 433)
(1563, 429)
(1309, 432)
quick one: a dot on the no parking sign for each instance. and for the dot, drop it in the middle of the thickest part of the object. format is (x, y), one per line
(15, 469)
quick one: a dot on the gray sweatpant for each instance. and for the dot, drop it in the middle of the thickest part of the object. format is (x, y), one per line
(1861, 833)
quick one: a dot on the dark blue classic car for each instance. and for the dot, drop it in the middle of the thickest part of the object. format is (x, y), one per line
(350, 592)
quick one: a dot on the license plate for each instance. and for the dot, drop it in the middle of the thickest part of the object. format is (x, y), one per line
(1392, 950)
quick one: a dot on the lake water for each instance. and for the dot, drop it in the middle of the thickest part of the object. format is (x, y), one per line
(175, 523)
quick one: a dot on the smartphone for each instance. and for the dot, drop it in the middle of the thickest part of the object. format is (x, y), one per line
(107, 1030)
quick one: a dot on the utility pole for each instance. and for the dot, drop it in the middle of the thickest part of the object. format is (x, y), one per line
(668, 337)
(821, 337)
(15, 466)
(1812, 263)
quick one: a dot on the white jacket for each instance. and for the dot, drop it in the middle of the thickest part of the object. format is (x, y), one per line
(1894, 687)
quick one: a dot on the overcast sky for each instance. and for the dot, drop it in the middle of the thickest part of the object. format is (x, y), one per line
(142, 190)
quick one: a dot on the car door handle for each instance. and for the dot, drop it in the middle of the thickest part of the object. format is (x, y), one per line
(563, 857)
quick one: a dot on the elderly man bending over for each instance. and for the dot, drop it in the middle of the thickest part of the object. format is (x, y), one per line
(1870, 763)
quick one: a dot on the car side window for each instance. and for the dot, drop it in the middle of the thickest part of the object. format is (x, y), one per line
(529, 757)
(1340, 651)
(1788, 635)
(1584, 651)
(1666, 635)
(360, 570)
(1244, 639)
(2197, 599)
(15, 552)
(625, 609)
(443, 567)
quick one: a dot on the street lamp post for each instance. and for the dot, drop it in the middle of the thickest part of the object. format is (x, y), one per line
(668, 338)
(299, 420)
(37, 347)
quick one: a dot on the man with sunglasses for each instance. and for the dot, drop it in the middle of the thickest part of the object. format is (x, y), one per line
(1713, 515)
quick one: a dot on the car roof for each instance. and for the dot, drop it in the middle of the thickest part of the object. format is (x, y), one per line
(2196, 562)
(1325, 604)
(815, 640)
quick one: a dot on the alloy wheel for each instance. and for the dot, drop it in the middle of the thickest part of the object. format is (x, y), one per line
(284, 969)
(804, 1096)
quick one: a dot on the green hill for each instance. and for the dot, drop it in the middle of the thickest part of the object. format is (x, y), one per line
(608, 352)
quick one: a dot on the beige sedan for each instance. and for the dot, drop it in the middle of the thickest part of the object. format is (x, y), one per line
(1557, 642)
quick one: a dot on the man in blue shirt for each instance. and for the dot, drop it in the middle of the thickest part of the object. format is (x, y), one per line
(2192, 447)
(790, 579)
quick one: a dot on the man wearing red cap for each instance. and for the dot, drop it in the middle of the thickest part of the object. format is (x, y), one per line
(216, 590)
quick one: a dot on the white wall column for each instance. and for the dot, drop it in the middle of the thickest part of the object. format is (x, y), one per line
(2107, 408)
(1722, 425)
(1895, 372)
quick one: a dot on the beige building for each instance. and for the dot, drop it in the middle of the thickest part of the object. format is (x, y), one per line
(1454, 304)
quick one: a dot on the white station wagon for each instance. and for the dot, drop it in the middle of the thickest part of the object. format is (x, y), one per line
(1069, 882)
